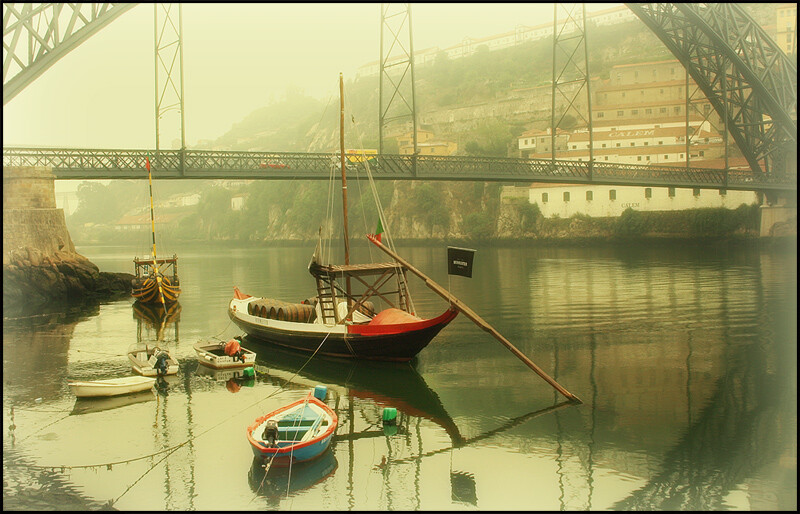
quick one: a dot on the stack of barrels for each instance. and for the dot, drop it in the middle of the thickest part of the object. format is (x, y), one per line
(283, 311)
(304, 312)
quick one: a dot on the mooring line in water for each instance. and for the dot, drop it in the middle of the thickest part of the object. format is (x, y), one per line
(166, 451)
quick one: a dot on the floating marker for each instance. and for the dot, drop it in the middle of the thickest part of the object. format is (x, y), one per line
(389, 415)
(320, 392)
(249, 372)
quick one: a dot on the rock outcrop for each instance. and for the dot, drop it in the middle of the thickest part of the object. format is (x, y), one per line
(33, 280)
(40, 264)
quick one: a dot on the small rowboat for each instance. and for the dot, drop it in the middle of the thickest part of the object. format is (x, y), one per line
(297, 432)
(152, 361)
(110, 387)
(224, 355)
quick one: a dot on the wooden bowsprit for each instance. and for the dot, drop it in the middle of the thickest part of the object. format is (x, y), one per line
(458, 304)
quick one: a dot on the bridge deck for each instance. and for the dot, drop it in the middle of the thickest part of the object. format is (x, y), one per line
(206, 164)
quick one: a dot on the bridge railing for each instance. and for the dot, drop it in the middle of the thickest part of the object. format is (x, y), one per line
(117, 163)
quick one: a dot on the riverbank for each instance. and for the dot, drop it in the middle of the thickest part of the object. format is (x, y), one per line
(32, 281)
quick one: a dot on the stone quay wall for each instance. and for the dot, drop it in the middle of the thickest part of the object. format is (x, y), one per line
(33, 228)
(40, 264)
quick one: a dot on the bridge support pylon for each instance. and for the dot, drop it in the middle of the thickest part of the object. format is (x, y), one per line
(33, 228)
(779, 214)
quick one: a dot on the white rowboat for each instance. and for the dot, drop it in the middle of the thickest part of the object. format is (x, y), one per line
(152, 361)
(111, 387)
(213, 355)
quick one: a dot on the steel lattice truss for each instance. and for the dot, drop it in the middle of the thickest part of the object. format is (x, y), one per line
(209, 164)
(37, 35)
(750, 82)
(396, 70)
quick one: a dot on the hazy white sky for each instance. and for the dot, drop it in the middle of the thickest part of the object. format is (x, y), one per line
(237, 58)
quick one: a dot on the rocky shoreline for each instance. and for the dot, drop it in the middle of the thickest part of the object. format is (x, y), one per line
(33, 280)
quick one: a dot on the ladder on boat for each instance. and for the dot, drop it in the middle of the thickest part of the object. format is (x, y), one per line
(327, 301)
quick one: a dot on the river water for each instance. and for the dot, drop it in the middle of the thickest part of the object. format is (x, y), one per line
(685, 358)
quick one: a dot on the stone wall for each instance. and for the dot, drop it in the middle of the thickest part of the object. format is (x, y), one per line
(40, 264)
(33, 228)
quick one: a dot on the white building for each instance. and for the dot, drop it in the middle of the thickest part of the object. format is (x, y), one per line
(600, 201)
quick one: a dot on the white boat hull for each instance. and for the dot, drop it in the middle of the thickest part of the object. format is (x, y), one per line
(212, 355)
(111, 387)
(144, 362)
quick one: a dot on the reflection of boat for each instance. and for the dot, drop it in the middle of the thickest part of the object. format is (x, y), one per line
(222, 355)
(88, 405)
(390, 384)
(152, 361)
(221, 375)
(152, 282)
(282, 481)
(111, 386)
(234, 378)
(155, 313)
(342, 315)
(297, 432)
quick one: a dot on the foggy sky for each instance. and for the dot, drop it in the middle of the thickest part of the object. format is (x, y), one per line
(237, 58)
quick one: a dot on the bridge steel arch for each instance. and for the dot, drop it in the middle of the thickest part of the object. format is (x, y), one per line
(35, 36)
(749, 81)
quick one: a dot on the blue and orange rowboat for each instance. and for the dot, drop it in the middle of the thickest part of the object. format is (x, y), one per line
(297, 432)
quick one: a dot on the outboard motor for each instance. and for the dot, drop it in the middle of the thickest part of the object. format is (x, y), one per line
(161, 363)
(270, 434)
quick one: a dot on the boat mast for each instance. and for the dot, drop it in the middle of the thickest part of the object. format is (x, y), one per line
(344, 182)
(153, 230)
(344, 177)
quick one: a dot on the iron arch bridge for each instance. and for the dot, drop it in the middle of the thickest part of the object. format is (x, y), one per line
(749, 81)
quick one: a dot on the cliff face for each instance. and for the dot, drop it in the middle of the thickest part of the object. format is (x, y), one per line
(40, 264)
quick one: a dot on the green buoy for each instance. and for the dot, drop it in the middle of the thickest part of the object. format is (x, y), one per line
(389, 415)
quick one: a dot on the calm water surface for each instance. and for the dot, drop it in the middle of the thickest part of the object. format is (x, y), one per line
(685, 359)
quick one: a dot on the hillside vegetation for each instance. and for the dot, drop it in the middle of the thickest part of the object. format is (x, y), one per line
(294, 210)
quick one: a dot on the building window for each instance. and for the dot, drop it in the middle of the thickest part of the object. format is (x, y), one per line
(604, 145)
(681, 156)
(696, 191)
(677, 109)
(646, 143)
(702, 153)
(671, 192)
(663, 110)
(544, 197)
(618, 144)
(606, 157)
(666, 157)
(620, 113)
(648, 157)
(589, 196)
(574, 147)
(661, 142)
(600, 114)
(638, 157)
(566, 196)
(635, 111)
(661, 92)
(648, 111)
(633, 144)
(648, 192)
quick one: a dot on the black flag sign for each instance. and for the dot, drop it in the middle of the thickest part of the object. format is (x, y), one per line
(459, 261)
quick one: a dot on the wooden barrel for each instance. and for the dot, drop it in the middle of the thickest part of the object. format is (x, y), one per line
(297, 312)
(367, 308)
(310, 301)
(273, 312)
